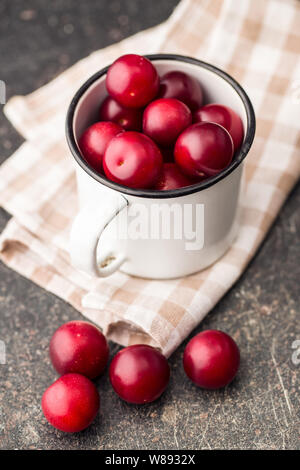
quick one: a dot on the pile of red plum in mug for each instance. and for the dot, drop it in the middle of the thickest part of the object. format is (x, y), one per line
(155, 133)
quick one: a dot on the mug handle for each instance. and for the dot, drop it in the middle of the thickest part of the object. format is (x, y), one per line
(86, 233)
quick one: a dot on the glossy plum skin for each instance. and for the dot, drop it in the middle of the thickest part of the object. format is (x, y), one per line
(224, 116)
(171, 178)
(129, 118)
(183, 87)
(94, 141)
(132, 80)
(78, 346)
(71, 403)
(204, 148)
(139, 374)
(164, 119)
(211, 359)
(132, 159)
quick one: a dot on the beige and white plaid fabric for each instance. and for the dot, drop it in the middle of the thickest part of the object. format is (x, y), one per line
(258, 42)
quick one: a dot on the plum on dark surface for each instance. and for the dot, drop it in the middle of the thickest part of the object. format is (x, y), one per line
(139, 374)
(211, 359)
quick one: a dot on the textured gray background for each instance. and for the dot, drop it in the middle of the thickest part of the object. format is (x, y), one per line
(260, 409)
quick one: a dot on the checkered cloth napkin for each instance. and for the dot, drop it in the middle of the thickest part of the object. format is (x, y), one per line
(258, 42)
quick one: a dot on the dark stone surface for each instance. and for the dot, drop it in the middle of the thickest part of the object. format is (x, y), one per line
(261, 409)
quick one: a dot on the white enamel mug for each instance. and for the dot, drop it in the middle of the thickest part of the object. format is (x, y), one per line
(149, 233)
